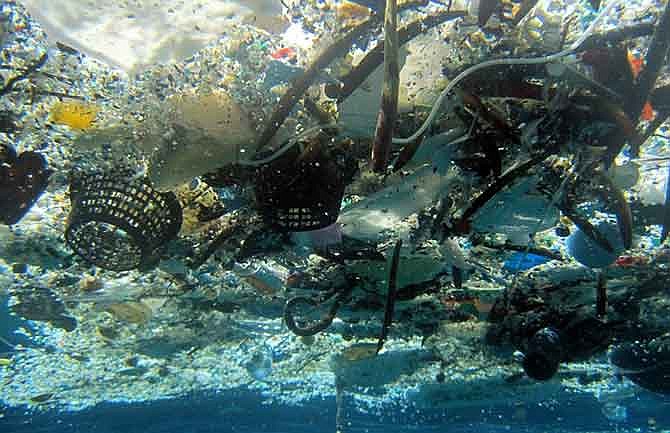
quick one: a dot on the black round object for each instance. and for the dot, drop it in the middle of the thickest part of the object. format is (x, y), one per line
(544, 354)
(118, 222)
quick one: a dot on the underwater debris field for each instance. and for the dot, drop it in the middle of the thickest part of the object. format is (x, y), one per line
(363, 215)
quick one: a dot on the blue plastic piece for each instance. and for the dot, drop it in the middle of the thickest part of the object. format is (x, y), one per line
(517, 262)
(592, 255)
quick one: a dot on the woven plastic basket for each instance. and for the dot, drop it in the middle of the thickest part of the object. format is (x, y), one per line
(119, 222)
(304, 193)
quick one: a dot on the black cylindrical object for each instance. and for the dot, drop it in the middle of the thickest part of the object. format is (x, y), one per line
(544, 354)
(118, 221)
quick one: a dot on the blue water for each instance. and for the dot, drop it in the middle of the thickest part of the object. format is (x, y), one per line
(248, 412)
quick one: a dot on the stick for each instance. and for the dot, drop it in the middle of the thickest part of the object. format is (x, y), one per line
(390, 296)
(640, 138)
(601, 295)
(615, 36)
(666, 209)
(656, 55)
(388, 112)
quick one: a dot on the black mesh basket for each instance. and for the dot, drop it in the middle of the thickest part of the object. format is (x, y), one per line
(118, 222)
(303, 194)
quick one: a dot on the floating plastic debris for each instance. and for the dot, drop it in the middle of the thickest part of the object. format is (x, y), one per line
(590, 254)
(117, 222)
(131, 312)
(209, 130)
(42, 398)
(504, 125)
(521, 261)
(22, 179)
(260, 364)
(75, 114)
(137, 35)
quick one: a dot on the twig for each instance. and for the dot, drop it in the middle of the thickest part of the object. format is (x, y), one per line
(388, 111)
(301, 83)
(390, 296)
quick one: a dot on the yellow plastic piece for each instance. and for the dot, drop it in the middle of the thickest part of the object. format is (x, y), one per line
(75, 114)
